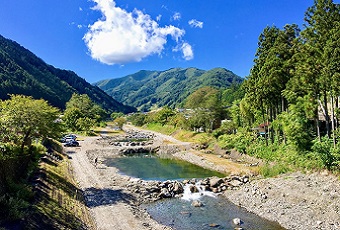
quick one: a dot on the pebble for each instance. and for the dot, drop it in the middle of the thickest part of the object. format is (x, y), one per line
(237, 221)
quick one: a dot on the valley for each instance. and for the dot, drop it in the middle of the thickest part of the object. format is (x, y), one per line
(114, 199)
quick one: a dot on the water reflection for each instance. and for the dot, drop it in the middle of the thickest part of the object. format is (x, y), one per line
(150, 167)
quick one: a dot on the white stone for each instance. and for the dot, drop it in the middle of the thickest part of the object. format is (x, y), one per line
(237, 221)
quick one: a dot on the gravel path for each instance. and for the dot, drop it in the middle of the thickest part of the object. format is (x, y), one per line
(296, 201)
(111, 203)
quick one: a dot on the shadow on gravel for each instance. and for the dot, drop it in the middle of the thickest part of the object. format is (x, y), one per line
(96, 197)
(70, 152)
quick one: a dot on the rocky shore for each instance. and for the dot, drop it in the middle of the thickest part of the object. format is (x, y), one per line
(296, 201)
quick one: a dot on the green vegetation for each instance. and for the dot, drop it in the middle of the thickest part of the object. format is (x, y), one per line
(293, 88)
(82, 114)
(147, 90)
(24, 120)
(58, 202)
(287, 110)
(22, 72)
(52, 200)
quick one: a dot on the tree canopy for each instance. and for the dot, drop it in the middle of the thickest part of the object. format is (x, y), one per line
(23, 119)
(82, 113)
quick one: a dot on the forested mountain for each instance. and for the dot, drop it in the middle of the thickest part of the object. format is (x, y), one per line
(22, 72)
(152, 89)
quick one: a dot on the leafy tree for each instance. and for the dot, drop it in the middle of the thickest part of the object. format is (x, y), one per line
(71, 117)
(85, 124)
(295, 125)
(138, 119)
(204, 98)
(120, 121)
(235, 113)
(81, 102)
(79, 110)
(231, 94)
(201, 118)
(98, 113)
(162, 116)
(23, 119)
(315, 72)
(206, 101)
(115, 115)
(178, 120)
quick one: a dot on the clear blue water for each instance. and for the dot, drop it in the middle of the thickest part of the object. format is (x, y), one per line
(149, 167)
(218, 212)
(178, 213)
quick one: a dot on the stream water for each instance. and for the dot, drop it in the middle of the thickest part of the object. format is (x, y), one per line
(216, 212)
(151, 167)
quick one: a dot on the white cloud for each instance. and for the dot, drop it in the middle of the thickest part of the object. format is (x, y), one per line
(158, 18)
(80, 9)
(186, 49)
(195, 23)
(120, 36)
(188, 53)
(177, 16)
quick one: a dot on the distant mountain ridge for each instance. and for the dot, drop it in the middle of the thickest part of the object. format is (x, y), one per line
(151, 89)
(22, 72)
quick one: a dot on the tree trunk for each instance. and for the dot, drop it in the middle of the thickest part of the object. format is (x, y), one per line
(333, 121)
(336, 106)
(283, 110)
(25, 140)
(326, 115)
(264, 123)
(271, 129)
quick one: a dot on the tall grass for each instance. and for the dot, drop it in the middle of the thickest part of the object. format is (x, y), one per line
(165, 129)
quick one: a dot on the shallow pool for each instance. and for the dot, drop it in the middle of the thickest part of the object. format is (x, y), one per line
(150, 167)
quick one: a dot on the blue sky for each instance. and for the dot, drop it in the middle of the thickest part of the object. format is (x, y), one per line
(102, 39)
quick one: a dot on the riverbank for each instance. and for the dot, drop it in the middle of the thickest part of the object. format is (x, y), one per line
(112, 204)
(296, 201)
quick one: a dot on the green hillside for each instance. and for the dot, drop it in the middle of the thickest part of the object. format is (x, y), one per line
(152, 89)
(22, 72)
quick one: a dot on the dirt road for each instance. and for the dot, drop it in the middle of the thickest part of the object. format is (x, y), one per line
(111, 203)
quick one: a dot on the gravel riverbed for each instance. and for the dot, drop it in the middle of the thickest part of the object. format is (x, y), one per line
(296, 200)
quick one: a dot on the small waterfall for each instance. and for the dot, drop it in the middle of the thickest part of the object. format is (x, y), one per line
(195, 192)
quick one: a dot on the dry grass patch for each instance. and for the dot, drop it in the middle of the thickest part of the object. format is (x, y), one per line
(232, 167)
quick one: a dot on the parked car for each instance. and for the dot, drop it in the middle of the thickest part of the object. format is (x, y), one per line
(71, 136)
(68, 138)
(72, 143)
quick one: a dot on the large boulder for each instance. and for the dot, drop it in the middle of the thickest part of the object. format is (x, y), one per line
(215, 182)
(165, 193)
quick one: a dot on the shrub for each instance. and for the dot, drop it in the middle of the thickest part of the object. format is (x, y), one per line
(269, 170)
(329, 155)
(239, 141)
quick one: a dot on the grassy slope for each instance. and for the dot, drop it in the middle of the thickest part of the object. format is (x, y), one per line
(59, 203)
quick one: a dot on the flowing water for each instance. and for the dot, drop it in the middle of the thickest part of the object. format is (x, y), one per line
(151, 167)
(216, 212)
